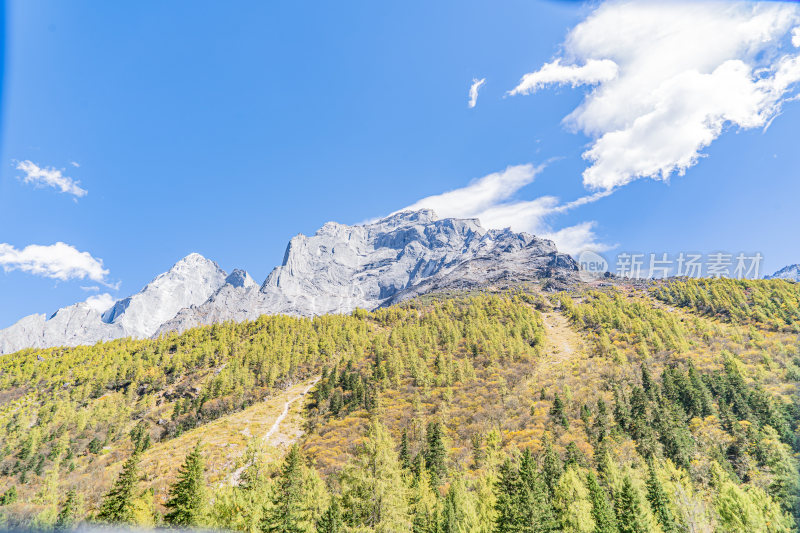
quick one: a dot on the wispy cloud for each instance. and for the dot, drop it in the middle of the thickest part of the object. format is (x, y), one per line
(481, 193)
(491, 199)
(593, 72)
(50, 177)
(58, 261)
(473, 91)
(671, 76)
(90, 288)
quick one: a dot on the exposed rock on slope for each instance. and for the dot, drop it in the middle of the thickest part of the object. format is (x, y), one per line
(342, 268)
(338, 269)
(190, 281)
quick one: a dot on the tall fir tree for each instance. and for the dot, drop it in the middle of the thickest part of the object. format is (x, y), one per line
(422, 500)
(9, 496)
(603, 513)
(507, 517)
(187, 496)
(552, 467)
(601, 421)
(119, 503)
(140, 437)
(457, 515)
(405, 454)
(536, 509)
(69, 512)
(436, 453)
(628, 508)
(659, 502)
(331, 521)
(558, 412)
(288, 512)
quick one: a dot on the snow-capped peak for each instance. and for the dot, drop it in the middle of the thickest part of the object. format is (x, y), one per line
(790, 272)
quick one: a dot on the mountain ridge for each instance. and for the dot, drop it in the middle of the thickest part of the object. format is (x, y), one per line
(790, 272)
(336, 270)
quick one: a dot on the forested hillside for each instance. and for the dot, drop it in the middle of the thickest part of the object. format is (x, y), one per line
(612, 409)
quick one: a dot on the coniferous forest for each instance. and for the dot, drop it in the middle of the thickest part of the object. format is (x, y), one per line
(617, 408)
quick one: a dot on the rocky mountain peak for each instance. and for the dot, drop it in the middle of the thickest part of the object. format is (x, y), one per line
(240, 278)
(336, 270)
(406, 218)
(790, 272)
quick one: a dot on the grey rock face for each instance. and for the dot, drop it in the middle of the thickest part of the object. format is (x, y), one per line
(338, 269)
(192, 280)
(342, 268)
(791, 272)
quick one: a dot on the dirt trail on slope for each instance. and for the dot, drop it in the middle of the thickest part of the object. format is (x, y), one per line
(282, 432)
(562, 341)
(268, 437)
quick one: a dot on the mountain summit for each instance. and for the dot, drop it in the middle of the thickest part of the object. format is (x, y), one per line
(190, 281)
(338, 269)
(791, 273)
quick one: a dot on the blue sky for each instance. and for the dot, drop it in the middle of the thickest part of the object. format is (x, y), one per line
(227, 128)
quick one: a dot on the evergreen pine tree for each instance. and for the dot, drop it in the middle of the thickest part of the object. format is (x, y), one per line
(601, 421)
(647, 381)
(436, 453)
(119, 503)
(602, 511)
(621, 412)
(331, 521)
(187, 497)
(558, 412)
(449, 518)
(288, 513)
(552, 468)
(336, 402)
(536, 508)
(507, 500)
(422, 500)
(477, 449)
(574, 456)
(659, 501)
(628, 509)
(68, 515)
(457, 513)
(586, 418)
(140, 437)
(9, 496)
(405, 454)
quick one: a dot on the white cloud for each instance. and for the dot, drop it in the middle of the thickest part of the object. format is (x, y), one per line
(577, 238)
(100, 302)
(796, 37)
(686, 72)
(74, 164)
(473, 91)
(490, 200)
(58, 261)
(90, 288)
(481, 193)
(593, 72)
(50, 177)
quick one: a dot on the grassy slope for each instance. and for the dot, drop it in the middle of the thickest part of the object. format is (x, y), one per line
(504, 395)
